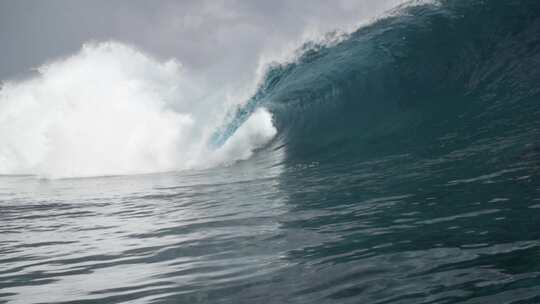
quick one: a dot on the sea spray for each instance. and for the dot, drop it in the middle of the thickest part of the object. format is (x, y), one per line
(111, 110)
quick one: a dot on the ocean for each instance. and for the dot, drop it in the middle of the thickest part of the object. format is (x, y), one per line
(398, 163)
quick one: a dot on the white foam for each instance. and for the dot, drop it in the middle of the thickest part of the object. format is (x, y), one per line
(254, 133)
(112, 110)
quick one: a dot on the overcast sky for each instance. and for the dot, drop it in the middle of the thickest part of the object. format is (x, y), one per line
(213, 37)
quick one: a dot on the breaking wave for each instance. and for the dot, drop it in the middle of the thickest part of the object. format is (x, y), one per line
(110, 110)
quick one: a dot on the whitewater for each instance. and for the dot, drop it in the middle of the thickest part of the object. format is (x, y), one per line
(111, 110)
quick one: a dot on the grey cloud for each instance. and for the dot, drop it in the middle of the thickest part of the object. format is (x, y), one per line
(214, 38)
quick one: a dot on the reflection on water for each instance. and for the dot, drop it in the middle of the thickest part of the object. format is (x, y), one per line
(138, 238)
(398, 229)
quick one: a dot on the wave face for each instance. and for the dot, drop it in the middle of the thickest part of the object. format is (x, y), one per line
(400, 83)
(111, 110)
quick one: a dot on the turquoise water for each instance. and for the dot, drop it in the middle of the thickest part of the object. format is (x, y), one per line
(405, 170)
